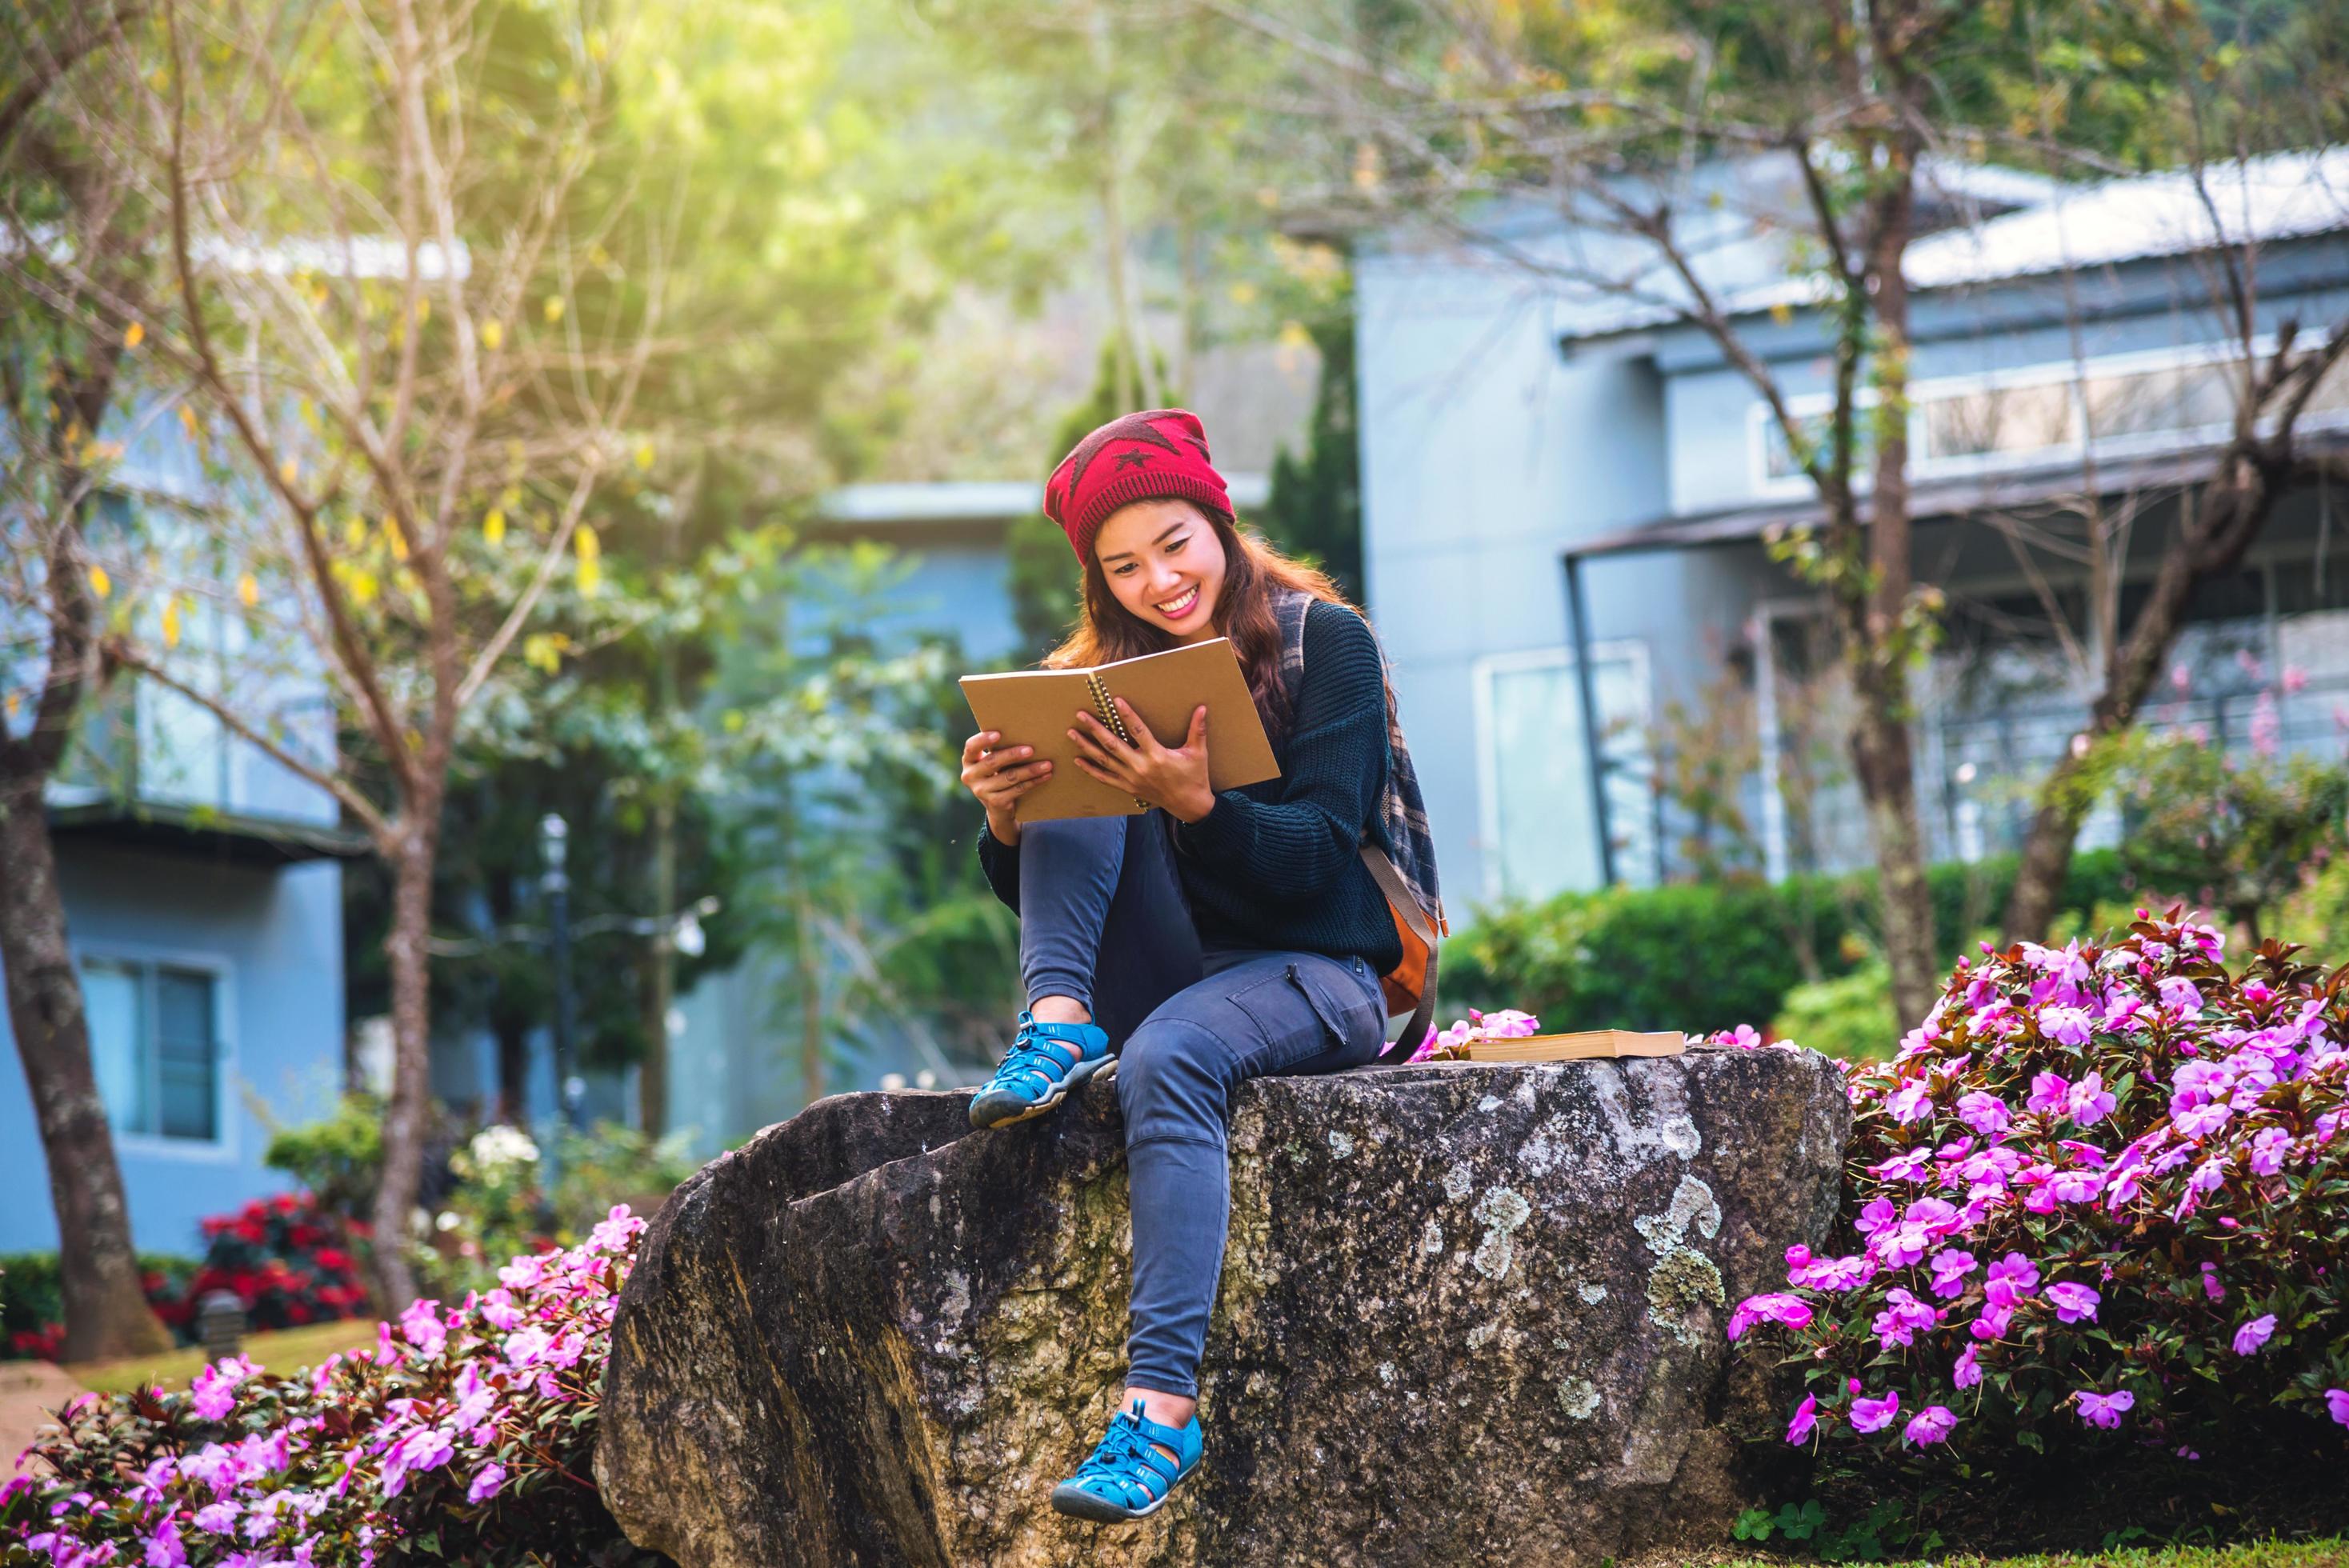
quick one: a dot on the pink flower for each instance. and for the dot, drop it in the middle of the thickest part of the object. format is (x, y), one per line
(2251, 1335)
(1806, 1418)
(2073, 1301)
(1966, 1372)
(216, 1386)
(486, 1481)
(1901, 1318)
(1950, 1268)
(2269, 1147)
(1985, 1113)
(2075, 1186)
(1836, 1275)
(2104, 1410)
(1877, 1214)
(163, 1548)
(1790, 1310)
(1874, 1415)
(2089, 1102)
(2069, 1026)
(1910, 1102)
(1929, 1424)
(2048, 1094)
(1909, 1167)
(422, 1326)
(2336, 1405)
(2011, 1279)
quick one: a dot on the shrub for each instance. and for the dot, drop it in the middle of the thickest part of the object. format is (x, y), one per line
(2098, 1197)
(286, 1260)
(1848, 1018)
(1705, 956)
(2239, 834)
(498, 1206)
(336, 1158)
(466, 1435)
(32, 1305)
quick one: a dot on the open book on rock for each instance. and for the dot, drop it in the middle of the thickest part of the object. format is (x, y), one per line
(1039, 707)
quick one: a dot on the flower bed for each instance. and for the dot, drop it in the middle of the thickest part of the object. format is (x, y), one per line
(2099, 1196)
(464, 1435)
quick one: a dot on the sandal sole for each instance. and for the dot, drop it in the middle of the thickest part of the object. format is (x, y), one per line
(1076, 1076)
(1084, 1504)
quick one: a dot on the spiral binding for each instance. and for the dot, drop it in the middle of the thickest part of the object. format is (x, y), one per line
(1110, 716)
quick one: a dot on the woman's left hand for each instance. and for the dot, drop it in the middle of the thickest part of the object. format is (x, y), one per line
(1174, 779)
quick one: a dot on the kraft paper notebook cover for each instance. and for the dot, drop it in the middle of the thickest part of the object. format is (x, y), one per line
(1038, 708)
(1577, 1046)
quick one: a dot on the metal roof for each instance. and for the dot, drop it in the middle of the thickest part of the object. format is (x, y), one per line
(2054, 487)
(2059, 227)
(2285, 196)
(974, 500)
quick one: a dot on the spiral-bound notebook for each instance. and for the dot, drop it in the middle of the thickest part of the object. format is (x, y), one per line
(1039, 707)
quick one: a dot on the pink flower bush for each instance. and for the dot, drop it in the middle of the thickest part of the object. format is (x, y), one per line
(465, 1435)
(2098, 1182)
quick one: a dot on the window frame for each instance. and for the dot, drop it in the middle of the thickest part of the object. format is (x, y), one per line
(1482, 674)
(146, 958)
(1762, 426)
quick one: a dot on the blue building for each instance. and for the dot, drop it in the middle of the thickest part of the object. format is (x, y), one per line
(202, 886)
(1528, 420)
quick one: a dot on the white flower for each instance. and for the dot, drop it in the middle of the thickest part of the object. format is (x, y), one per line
(498, 1144)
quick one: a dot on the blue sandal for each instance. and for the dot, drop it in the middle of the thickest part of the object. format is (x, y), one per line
(1045, 1062)
(1127, 1477)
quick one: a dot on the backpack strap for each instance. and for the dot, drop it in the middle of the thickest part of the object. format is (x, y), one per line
(1406, 906)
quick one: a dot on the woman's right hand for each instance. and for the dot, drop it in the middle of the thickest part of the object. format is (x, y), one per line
(998, 776)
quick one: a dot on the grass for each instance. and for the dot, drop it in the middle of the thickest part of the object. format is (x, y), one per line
(282, 1350)
(2328, 1554)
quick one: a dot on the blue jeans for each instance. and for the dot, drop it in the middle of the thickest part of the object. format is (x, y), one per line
(1103, 920)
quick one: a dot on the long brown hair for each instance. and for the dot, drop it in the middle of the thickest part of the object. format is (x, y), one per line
(1107, 631)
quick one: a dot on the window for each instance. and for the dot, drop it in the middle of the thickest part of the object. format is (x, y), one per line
(154, 1041)
(1538, 830)
(2141, 402)
(1993, 419)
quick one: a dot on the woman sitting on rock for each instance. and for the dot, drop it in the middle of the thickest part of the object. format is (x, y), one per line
(1214, 938)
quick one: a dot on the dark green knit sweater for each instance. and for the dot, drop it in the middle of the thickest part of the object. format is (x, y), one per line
(1278, 864)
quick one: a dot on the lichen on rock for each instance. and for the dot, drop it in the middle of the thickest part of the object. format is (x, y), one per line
(871, 1337)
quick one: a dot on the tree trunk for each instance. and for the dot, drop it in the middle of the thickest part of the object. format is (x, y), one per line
(405, 945)
(513, 1072)
(106, 1311)
(810, 1003)
(660, 971)
(1882, 758)
(1880, 748)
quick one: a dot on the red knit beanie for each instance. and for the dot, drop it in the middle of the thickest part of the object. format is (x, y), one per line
(1156, 453)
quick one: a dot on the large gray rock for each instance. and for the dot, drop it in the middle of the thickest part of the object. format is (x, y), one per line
(1468, 1313)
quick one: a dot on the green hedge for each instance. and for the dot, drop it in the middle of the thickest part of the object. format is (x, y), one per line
(32, 1306)
(1711, 956)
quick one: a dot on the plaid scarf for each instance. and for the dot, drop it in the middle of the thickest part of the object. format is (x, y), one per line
(1403, 815)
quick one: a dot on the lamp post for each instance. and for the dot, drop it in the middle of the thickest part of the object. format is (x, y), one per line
(553, 837)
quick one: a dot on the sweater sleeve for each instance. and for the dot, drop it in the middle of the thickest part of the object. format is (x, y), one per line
(1000, 861)
(1300, 846)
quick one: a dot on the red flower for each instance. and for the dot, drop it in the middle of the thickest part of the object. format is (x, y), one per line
(332, 1258)
(296, 1313)
(285, 1202)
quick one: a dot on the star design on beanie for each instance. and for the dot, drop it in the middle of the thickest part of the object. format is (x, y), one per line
(1133, 428)
(1132, 459)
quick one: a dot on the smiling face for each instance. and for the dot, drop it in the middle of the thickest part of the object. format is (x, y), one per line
(1164, 562)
